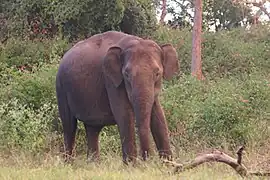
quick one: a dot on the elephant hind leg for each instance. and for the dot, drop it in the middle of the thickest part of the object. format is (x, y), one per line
(69, 127)
(69, 123)
(92, 134)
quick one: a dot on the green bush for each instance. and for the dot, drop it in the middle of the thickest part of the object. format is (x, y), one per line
(212, 113)
(18, 52)
(35, 89)
(35, 84)
(26, 129)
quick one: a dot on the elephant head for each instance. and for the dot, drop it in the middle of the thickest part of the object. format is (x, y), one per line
(141, 65)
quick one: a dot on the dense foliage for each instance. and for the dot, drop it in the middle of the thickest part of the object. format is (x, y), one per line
(230, 107)
(139, 18)
(74, 19)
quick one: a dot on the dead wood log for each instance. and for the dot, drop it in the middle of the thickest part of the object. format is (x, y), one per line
(218, 156)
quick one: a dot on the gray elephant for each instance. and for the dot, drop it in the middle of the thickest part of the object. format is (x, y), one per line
(115, 78)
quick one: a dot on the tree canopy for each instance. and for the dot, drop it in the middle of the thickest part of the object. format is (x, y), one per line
(74, 18)
(217, 14)
(80, 19)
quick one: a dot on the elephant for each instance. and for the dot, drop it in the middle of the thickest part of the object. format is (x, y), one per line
(114, 78)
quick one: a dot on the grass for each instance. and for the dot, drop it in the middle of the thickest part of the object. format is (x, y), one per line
(108, 169)
(49, 167)
(87, 172)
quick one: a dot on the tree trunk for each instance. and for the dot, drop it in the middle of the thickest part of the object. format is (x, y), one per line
(163, 11)
(196, 64)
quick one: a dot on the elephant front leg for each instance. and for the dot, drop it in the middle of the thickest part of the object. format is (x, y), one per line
(127, 135)
(159, 130)
(124, 117)
(92, 135)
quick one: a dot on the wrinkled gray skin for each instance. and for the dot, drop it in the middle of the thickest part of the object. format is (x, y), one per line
(115, 78)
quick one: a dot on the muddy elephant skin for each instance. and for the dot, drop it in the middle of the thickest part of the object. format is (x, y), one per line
(115, 78)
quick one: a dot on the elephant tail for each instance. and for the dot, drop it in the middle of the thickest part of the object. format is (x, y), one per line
(62, 101)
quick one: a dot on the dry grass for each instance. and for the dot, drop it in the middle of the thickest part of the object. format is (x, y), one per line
(49, 167)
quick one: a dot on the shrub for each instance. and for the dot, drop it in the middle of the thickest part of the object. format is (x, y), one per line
(35, 89)
(27, 54)
(26, 129)
(27, 69)
(211, 113)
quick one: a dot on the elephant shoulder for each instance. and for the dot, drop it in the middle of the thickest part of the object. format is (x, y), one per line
(92, 48)
(100, 41)
(107, 39)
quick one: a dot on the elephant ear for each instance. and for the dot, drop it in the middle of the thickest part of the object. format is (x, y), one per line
(112, 65)
(170, 61)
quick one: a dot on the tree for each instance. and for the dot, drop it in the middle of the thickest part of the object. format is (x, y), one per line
(224, 14)
(139, 17)
(217, 14)
(253, 3)
(179, 9)
(75, 19)
(196, 64)
(163, 11)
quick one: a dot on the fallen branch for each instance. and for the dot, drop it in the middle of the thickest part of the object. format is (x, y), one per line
(218, 156)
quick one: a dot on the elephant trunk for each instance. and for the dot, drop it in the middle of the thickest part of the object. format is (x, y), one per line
(143, 100)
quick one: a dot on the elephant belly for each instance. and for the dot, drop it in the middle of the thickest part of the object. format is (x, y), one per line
(91, 111)
(90, 104)
(93, 120)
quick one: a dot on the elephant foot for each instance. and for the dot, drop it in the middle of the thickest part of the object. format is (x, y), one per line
(129, 160)
(166, 155)
(146, 155)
